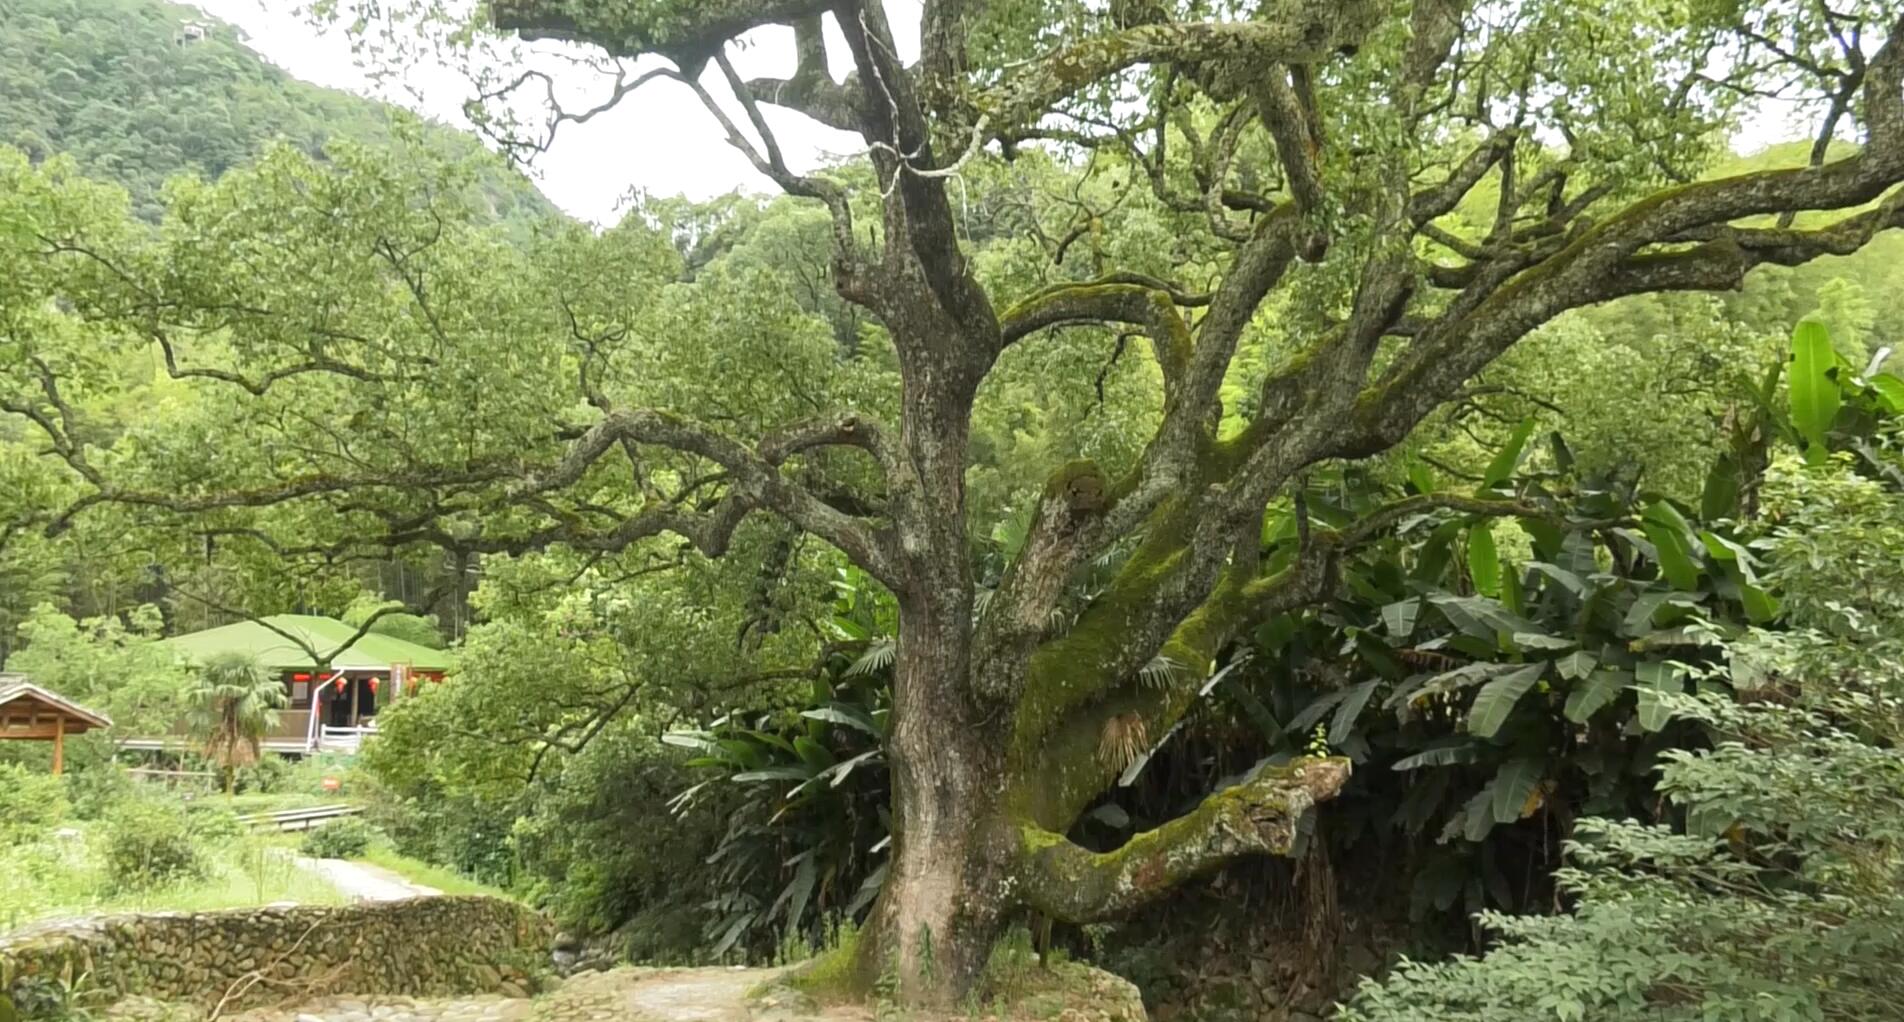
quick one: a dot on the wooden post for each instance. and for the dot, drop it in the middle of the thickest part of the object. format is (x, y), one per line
(59, 745)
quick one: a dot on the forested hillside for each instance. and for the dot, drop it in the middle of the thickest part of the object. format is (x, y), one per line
(139, 90)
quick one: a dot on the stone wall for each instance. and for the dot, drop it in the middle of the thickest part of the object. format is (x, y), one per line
(422, 946)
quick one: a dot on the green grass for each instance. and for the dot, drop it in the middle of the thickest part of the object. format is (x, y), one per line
(63, 877)
(271, 803)
(429, 875)
(253, 871)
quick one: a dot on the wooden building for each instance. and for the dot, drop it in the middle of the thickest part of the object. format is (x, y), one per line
(31, 713)
(334, 687)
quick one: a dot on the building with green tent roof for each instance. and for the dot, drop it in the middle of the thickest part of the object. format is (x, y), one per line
(336, 676)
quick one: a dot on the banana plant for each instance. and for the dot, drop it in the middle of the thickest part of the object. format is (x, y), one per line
(807, 839)
(1494, 678)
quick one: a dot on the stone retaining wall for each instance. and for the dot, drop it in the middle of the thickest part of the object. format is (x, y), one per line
(422, 946)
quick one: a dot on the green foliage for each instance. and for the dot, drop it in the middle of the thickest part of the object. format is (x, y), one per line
(94, 789)
(603, 852)
(150, 844)
(31, 803)
(777, 816)
(409, 627)
(1778, 901)
(234, 704)
(1816, 396)
(810, 817)
(801, 842)
(1492, 698)
(118, 89)
(1473, 716)
(111, 664)
(1770, 888)
(147, 852)
(348, 838)
(269, 775)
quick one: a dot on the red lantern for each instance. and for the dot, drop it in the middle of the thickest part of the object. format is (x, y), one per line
(300, 677)
(340, 683)
(373, 686)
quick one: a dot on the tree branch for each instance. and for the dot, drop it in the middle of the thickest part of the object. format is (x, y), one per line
(755, 479)
(1282, 32)
(1266, 815)
(686, 33)
(1612, 260)
(811, 90)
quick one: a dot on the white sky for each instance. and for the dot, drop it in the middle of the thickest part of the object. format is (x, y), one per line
(660, 140)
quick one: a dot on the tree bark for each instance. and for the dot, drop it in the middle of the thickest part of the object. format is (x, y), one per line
(944, 901)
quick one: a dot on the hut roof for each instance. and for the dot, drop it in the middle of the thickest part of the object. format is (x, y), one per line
(20, 699)
(372, 652)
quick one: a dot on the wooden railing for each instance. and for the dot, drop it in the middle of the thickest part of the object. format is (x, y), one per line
(296, 731)
(345, 739)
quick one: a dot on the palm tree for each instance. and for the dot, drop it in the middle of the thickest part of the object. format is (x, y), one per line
(235, 703)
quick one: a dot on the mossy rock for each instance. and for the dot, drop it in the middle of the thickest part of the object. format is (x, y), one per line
(1063, 991)
(779, 998)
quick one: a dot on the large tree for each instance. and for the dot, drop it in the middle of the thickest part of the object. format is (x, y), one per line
(1322, 165)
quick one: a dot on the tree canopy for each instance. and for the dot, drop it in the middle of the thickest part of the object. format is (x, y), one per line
(1321, 224)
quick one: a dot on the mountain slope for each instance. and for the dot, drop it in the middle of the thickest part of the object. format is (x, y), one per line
(139, 90)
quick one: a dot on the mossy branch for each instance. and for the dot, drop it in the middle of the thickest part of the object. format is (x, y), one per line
(1081, 681)
(1289, 31)
(1266, 815)
(687, 32)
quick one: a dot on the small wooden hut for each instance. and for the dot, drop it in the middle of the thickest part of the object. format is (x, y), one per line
(333, 687)
(31, 713)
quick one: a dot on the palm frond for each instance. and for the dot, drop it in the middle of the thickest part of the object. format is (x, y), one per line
(234, 703)
(1161, 672)
(878, 656)
(1124, 739)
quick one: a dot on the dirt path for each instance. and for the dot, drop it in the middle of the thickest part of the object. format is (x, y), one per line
(1071, 993)
(360, 881)
(696, 995)
(618, 995)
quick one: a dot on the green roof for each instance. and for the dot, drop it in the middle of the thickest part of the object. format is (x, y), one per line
(373, 652)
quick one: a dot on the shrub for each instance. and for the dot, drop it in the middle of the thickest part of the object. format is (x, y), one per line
(31, 803)
(603, 854)
(271, 775)
(150, 844)
(212, 823)
(453, 830)
(96, 790)
(342, 839)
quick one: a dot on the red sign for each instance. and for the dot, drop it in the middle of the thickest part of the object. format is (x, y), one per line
(332, 784)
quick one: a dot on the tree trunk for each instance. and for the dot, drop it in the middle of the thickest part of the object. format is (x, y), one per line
(943, 906)
(946, 897)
